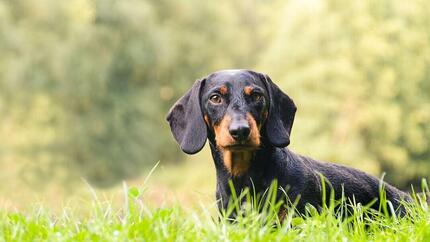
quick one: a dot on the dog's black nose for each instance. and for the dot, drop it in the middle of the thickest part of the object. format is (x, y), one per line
(239, 131)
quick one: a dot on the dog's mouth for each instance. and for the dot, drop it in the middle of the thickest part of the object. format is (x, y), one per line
(240, 147)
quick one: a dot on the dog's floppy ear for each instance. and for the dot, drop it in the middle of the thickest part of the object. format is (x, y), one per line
(186, 121)
(281, 114)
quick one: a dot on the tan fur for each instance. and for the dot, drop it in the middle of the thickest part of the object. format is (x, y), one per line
(254, 136)
(227, 157)
(223, 90)
(248, 90)
(222, 135)
(237, 163)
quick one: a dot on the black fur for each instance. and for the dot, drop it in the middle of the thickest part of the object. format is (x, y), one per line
(272, 161)
(186, 121)
(281, 114)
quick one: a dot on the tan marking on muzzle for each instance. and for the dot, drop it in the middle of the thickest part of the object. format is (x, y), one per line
(222, 135)
(237, 162)
(254, 136)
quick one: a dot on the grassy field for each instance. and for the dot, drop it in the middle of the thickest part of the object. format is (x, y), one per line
(135, 219)
(176, 203)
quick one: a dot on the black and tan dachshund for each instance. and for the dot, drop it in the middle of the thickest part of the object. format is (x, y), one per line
(247, 120)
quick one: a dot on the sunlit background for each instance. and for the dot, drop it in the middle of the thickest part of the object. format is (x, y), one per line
(85, 86)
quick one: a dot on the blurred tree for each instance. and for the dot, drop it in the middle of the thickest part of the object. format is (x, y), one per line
(359, 72)
(86, 85)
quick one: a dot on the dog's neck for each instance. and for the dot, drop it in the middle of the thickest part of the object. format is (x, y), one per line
(236, 163)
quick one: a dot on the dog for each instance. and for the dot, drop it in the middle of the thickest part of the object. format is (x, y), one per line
(248, 120)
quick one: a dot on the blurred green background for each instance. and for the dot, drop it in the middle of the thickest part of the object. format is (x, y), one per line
(85, 86)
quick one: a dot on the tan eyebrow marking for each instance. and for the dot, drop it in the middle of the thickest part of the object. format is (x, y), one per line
(223, 90)
(248, 90)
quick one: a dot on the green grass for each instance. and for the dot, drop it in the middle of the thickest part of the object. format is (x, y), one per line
(136, 220)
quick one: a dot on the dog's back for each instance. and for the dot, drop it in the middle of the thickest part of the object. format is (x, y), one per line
(349, 183)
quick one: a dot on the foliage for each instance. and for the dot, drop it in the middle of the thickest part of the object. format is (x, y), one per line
(359, 74)
(85, 84)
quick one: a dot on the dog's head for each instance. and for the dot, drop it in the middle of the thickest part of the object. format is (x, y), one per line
(235, 107)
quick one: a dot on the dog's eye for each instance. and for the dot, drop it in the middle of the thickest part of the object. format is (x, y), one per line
(256, 96)
(216, 99)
